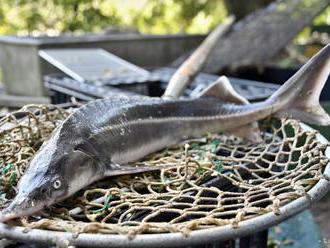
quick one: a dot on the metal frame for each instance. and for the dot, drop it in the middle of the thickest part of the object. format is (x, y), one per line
(197, 237)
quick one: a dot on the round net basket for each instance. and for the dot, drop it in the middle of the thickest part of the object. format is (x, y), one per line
(216, 187)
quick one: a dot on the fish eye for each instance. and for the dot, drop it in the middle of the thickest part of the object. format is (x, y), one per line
(57, 184)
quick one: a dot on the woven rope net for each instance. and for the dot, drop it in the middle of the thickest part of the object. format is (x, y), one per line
(215, 180)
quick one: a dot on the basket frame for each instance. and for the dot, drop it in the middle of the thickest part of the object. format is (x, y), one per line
(197, 237)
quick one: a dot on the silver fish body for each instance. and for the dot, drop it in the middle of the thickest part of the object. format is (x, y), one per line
(137, 127)
(99, 138)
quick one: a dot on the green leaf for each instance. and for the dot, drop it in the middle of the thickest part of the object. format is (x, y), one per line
(6, 169)
(166, 152)
(195, 146)
(214, 145)
(13, 178)
(200, 170)
(218, 165)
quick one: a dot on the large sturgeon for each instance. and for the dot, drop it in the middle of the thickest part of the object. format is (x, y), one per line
(94, 141)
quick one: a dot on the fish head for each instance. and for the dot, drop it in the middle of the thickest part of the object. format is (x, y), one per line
(54, 174)
(33, 198)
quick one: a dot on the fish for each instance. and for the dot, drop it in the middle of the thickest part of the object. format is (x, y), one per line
(100, 138)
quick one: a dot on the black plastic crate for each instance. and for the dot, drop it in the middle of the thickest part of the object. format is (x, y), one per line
(62, 88)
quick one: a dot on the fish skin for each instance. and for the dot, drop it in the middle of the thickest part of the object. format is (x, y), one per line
(97, 138)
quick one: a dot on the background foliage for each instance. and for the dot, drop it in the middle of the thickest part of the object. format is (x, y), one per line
(58, 16)
(53, 17)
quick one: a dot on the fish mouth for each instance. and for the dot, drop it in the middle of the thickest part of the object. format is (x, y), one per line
(18, 208)
(4, 217)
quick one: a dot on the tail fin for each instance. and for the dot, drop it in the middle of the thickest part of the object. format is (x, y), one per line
(299, 96)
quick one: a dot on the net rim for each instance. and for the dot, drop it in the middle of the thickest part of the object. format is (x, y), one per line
(196, 237)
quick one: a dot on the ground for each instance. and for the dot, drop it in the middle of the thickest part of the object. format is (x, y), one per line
(321, 213)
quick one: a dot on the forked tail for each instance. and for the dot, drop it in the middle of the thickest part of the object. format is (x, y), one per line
(299, 97)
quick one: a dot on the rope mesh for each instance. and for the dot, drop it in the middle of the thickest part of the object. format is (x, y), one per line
(215, 180)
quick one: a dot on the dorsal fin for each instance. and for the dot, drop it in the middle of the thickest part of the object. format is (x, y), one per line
(223, 90)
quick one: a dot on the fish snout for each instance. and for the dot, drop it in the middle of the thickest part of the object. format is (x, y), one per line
(5, 216)
(11, 211)
(20, 206)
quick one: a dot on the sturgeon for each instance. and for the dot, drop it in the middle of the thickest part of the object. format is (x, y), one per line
(98, 139)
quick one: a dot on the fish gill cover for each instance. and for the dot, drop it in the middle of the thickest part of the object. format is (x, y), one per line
(215, 180)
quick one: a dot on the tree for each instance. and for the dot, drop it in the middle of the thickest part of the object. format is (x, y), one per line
(151, 16)
(239, 10)
(55, 16)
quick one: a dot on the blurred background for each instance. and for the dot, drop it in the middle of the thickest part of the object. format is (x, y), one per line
(55, 17)
(42, 19)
